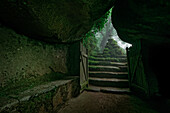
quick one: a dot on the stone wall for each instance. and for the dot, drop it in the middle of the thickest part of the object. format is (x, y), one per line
(22, 57)
(46, 98)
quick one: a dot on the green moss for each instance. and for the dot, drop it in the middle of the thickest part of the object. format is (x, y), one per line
(106, 54)
(100, 62)
(53, 76)
(90, 41)
(25, 84)
(112, 49)
(96, 67)
(91, 61)
(35, 103)
(103, 59)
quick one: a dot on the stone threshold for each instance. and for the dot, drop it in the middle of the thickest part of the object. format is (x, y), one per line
(43, 98)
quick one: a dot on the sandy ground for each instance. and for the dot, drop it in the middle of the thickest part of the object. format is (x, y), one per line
(97, 102)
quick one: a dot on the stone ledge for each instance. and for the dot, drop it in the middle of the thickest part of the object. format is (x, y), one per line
(43, 98)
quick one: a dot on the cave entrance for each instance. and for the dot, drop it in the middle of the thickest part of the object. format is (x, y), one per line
(107, 59)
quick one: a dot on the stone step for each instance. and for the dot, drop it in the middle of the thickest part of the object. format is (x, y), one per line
(123, 68)
(108, 59)
(107, 63)
(104, 56)
(99, 53)
(119, 56)
(109, 82)
(108, 89)
(104, 74)
(108, 68)
(104, 68)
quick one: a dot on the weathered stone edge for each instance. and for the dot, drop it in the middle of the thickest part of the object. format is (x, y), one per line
(27, 95)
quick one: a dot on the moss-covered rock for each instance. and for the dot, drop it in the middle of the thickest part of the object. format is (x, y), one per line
(46, 98)
(24, 58)
(53, 20)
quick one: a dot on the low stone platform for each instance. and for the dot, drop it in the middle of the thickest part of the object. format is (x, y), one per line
(45, 98)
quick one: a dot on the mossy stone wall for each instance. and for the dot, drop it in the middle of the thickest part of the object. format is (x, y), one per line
(46, 98)
(24, 58)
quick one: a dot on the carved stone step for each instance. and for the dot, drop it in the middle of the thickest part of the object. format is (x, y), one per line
(108, 68)
(109, 59)
(104, 56)
(103, 74)
(109, 82)
(108, 89)
(104, 68)
(123, 68)
(107, 63)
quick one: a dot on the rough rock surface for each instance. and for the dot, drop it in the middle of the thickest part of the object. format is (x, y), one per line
(23, 58)
(142, 19)
(46, 98)
(53, 20)
(145, 24)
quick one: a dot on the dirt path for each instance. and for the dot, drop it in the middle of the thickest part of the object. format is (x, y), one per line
(94, 102)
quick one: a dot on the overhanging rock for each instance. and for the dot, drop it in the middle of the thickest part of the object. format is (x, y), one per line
(53, 20)
(149, 20)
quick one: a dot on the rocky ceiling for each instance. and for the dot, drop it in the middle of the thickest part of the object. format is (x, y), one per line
(67, 21)
(53, 20)
(142, 19)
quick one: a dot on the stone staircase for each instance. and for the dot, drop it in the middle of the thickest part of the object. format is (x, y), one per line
(108, 74)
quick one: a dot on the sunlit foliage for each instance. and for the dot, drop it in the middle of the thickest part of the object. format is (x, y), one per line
(90, 41)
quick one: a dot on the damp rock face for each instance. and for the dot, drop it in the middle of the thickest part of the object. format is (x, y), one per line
(53, 20)
(142, 19)
(46, 98)
(23, 58)
(145, 24)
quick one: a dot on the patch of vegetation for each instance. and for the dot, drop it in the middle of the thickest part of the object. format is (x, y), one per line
(91, 61)
(106, 55)
(90, 41)
(113, 49)
(99, 62)
(35, 103)
(103, 59)
(96, 67)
